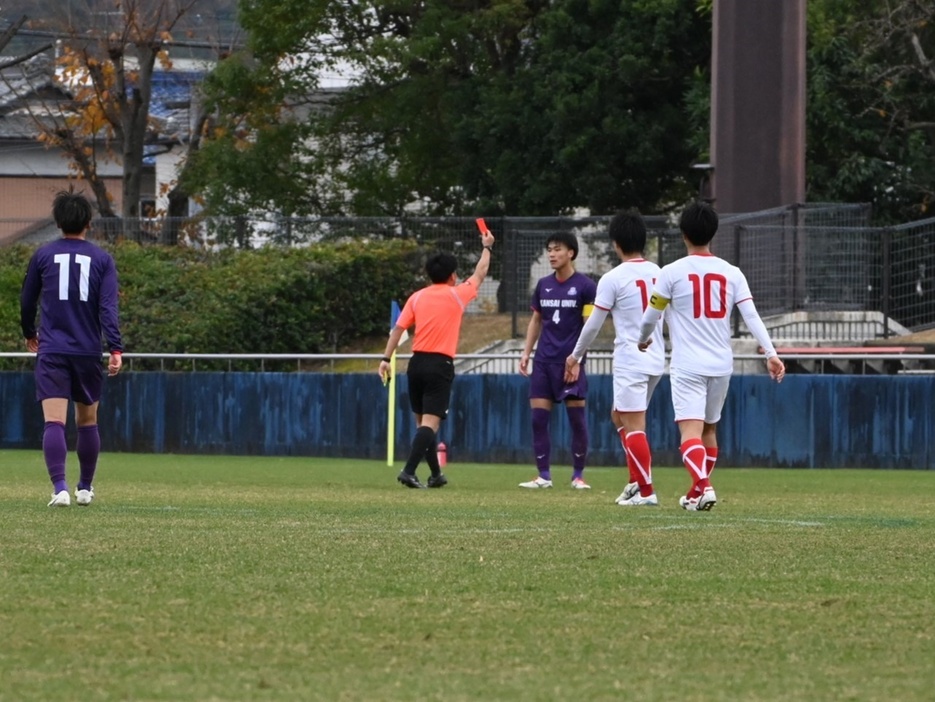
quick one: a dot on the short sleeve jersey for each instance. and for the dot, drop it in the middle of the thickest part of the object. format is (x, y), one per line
(436, 311)
(73, 284)
(624, 291)
(702, 290)
(561, 305)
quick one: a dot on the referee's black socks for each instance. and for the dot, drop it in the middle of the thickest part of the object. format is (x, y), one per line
(422, 443)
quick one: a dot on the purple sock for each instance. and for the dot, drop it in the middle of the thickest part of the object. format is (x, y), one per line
(55, 450)
(88, 449)
(579, 439)
(541, 441)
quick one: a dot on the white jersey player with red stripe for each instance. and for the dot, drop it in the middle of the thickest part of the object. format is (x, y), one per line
(699, 293)
(624, 293)
(702, 291)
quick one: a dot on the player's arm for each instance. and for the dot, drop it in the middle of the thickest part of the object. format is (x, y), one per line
(29, 305)
(595, 320)
(651, 317)
(592, 326)
(588, 333)
(751, 318)
(384, 370)
(532, 334)
(108, 309)
(483, 263)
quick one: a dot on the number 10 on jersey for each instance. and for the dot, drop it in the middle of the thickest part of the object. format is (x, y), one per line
(709, 295)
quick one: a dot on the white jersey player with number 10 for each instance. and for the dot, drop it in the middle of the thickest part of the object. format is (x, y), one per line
(699, 292)
(623, 292)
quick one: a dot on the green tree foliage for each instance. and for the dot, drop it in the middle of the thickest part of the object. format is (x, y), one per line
(526, 107)
(871, 105)
(273, 300)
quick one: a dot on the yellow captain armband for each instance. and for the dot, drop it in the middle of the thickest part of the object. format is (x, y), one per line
(587, 311)
(658, 302)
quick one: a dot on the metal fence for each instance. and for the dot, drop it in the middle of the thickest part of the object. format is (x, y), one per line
(815, 257)
(873, 361)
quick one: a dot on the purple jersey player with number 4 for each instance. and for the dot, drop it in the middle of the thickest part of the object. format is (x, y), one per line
(560, 304)
(73, 283)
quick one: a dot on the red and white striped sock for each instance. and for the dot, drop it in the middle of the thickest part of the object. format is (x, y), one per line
(694, 456)
(640, 461)
(634, 474)
(710, 460)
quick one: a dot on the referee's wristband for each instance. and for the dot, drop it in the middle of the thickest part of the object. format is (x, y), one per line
(489, 248)
(386, 359)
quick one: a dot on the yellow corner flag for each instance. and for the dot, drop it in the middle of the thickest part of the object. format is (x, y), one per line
(391, 399)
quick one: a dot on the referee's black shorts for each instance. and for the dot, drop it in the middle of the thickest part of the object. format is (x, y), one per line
(430, 376)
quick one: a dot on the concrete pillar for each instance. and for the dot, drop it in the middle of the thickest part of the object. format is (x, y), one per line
(758, 104)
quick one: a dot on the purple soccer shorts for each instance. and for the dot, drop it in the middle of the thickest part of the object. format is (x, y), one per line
(547, 381)
(78, 378)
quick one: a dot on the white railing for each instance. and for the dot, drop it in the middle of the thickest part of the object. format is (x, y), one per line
(599, 363)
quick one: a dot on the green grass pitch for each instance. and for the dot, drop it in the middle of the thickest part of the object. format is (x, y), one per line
(242, 578)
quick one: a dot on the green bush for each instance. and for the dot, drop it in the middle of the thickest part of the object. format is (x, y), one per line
(272, 300)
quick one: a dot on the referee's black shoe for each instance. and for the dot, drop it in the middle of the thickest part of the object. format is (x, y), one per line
(410, 481)
(437, 481)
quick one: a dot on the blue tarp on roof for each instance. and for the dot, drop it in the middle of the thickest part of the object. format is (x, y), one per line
(170, 102)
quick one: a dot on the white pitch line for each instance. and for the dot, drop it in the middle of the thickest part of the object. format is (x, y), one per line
(685, 521)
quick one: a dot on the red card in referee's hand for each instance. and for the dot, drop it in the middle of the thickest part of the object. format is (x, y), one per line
(482, 226)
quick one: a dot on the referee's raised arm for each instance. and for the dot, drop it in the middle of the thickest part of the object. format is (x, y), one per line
(483, 263)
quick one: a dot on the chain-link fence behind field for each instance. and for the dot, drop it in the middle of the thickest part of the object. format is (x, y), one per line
(909, 274)
(798, 258)
(815, 269)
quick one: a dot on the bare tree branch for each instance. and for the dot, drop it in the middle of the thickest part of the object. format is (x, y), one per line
(925, 62)
(7, 37)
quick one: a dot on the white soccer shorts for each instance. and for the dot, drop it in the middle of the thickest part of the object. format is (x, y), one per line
(698, 396)
(633, 390)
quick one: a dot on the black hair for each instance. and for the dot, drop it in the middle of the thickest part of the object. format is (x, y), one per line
(699, 223)
(567, 239)
(72, 212)
(628, 231)
(440, 266)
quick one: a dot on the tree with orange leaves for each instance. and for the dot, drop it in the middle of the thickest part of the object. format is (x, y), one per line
(106, 62)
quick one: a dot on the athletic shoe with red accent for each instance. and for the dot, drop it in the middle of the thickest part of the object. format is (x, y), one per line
(579, 484)
(702, 503)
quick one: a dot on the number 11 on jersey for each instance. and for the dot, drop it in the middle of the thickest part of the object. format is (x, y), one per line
(64, 275)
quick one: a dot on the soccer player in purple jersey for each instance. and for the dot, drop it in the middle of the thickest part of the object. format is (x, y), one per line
(560, 304)
(73, 284)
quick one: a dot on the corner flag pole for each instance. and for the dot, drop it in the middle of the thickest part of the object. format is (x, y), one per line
(391, 399)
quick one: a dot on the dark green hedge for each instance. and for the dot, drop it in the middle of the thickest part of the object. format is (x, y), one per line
(271, 300)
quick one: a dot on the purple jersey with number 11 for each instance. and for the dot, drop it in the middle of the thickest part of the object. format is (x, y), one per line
(74, 284)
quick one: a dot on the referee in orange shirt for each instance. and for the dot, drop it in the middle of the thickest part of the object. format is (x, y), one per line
(436, 311)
